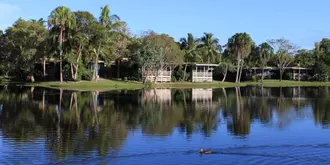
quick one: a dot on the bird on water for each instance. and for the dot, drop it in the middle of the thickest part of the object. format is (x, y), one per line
(202, 151)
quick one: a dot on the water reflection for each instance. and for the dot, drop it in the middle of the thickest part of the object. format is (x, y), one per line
(80, 122)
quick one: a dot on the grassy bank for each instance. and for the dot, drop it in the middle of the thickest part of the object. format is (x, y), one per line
(288, 83)
(107, 85)
(101, 85)
(215, 84)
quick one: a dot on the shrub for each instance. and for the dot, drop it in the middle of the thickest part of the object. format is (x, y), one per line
(148, 84)
(87, 75)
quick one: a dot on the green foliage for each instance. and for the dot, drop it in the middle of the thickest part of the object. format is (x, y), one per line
(190, 47)
(23, 47)
(240, 45)
(66, 72)
(148, 84)
(87, 75)
(178, 74)
(288, 76)
(265, 51)
(210, 48)
(79, 38)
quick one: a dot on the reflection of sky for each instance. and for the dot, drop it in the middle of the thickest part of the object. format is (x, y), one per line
(300, 135)
(31, 152)
(300, 130)
(287, 128)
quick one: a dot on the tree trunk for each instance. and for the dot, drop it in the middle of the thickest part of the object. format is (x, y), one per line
(97, 52)
(72, 71)
(237, 71)
(299, 73)
(240, 73)
(96, 67)
(262, 76)
(61, 53)
(281, 74)
(185, 72)
(156, 75)
(76, 66)
(118, 69)
(44, 67)
(76, 73)
(225, 74)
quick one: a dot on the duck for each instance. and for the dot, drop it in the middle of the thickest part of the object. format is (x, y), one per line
(202, 151)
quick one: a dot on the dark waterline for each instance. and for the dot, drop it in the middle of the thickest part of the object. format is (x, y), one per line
(251, 125)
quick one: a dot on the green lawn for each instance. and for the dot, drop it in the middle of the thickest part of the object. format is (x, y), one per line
(289, 83)
(102, 85)
(214, 84)
(107, 85)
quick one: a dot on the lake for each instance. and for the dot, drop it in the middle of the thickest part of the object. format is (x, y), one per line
(250, 125)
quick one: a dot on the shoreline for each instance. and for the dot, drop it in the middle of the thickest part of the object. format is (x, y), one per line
(109, 85)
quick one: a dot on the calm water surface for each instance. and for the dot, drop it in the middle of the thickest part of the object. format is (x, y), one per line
(251, 125)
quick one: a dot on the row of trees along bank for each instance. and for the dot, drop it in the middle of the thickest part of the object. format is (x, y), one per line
(75, 39)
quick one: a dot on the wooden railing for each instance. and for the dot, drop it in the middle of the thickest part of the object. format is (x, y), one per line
(202, 74)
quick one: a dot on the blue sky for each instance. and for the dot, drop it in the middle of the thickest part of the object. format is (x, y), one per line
(301, 21)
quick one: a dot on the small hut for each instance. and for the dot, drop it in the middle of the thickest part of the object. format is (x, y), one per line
(202, 72)
(163, 75)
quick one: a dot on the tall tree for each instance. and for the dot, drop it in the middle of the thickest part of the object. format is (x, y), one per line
(61, 18)
(225, 66)
(284, 51)
(190, 47)
(265, 52)
(23, 47)
(240, 46)
(106, 30)
(210, 47)
(79, 40)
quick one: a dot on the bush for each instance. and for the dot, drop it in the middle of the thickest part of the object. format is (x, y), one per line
(87, 75)
(67, 72)
(178, 74)
(256, 78)
(148, 84)
(287, 76)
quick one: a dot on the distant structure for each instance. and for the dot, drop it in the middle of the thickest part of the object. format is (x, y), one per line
(202, 72)
(198, 73)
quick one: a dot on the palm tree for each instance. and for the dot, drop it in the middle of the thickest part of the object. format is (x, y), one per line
(189, 45)
(240, 46)
(107, 19)
(113, 26)
(265, 52)
(318, 50)
(211, 46)
(61, 18)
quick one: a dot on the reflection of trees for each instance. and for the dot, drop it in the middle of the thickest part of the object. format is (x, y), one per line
(239, 122)
(263, 104)
(18, 118)
(320, 107)
(78, 122)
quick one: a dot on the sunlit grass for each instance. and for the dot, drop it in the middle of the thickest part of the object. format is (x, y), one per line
(289, 83)
(102, 85)
(107, 85)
